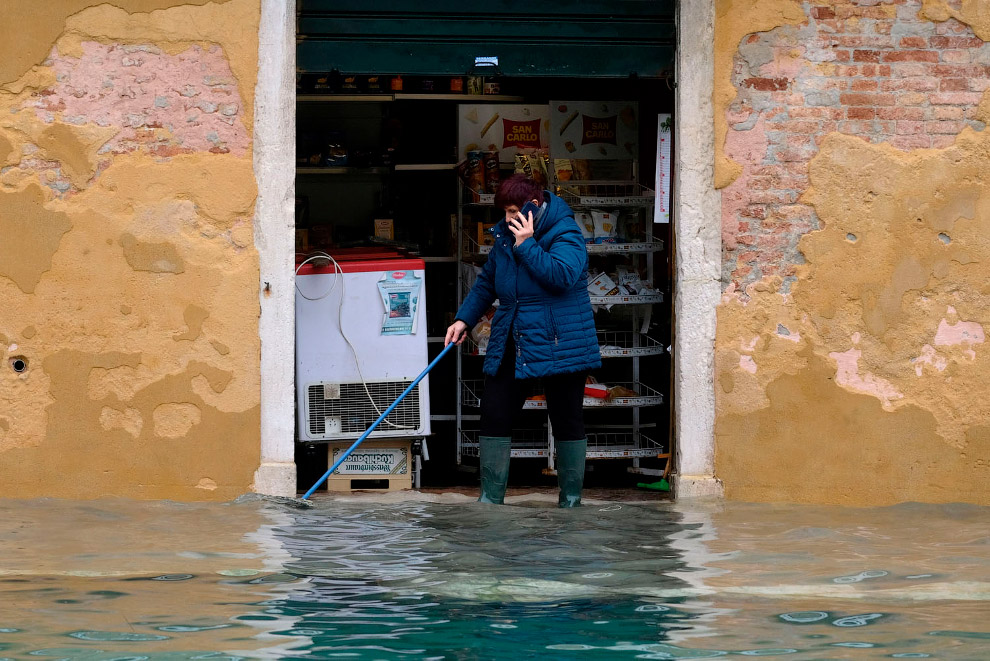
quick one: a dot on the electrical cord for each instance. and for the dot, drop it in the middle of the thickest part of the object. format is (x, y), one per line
(338, 273)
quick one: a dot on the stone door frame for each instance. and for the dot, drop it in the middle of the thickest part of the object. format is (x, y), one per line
(697, 233)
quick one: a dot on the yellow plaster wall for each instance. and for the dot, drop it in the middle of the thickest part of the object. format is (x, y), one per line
(865, 383)
(128, 275)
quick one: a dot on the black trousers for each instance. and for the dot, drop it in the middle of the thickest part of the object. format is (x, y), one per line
(505, 395)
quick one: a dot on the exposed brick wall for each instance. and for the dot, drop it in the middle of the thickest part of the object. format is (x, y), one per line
(870, 68)
(155, 102)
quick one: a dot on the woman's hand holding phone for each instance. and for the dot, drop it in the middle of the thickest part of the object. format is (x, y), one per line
(522, 224)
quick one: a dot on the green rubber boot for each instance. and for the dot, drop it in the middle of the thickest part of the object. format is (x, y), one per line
(495, 453)
(570, 471)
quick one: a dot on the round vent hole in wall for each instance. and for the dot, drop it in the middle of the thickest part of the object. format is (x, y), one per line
(19, 363)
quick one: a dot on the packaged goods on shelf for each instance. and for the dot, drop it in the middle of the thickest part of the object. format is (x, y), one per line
(384, 228)
(336, 152)
(587, 225)
(472, 174)
(483, 329)
(629, 280)
(602, 285)
(596, 390)
(605, 223)
(533, 165)
(616, 392)
(485, 237)
(490, 162)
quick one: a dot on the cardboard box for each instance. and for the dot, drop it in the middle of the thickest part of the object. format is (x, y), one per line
(375, 459)
(385, 228)
(485, 237)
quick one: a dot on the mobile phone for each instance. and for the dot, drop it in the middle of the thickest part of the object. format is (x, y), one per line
(529, 207)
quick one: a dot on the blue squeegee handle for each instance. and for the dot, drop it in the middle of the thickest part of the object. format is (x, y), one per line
(378, 421)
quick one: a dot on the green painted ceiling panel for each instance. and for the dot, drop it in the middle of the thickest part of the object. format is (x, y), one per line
(580, 38)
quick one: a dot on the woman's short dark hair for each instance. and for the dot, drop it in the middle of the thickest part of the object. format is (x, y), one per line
(517, 190)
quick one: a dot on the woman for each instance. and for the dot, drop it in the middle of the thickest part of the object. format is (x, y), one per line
(543, 328)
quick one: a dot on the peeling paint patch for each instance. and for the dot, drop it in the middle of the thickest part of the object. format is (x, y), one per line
(129, 420)
(175, 420)
(847, 375)
(194, 317)
(31, 235)
(929, 357)
(155, 257)
(961, 332)
(748, 364)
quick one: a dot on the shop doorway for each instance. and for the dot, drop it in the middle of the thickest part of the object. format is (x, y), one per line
(378, 140)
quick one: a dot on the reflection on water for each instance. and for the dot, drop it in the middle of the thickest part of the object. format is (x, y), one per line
(418, 580)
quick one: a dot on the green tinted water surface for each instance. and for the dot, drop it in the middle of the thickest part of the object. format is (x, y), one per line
(419, 580)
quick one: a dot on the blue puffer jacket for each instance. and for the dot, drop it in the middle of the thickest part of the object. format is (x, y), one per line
(542, 288)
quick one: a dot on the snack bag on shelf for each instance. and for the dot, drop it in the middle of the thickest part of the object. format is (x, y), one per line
(522, 165)
(587, 225)
(630, 280)
(602, 285)
(616, 392)
(594, 389)
(538, 168)
(483, 329)
(605, 226)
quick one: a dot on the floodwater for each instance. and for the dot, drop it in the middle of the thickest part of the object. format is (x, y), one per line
(361, 578)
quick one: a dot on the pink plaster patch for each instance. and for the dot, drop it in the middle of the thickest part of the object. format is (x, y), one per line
(747, 148)
(163, 104)
(847, 375)
(961, 332)
(747, 363)
(929, 357)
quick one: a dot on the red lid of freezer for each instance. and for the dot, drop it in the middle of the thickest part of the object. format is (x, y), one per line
(365, 265)
(367, 252)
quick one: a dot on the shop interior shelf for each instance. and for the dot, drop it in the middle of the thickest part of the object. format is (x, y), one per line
(619, 344)
(613, 344)
(484, 200)
(340, 170)
(533, 443)
(472, 247)
(423, 167)
(635, 247)
(463, 98)
(627, 299)
(404, 96)
(527, 443)
(619, 445)
(606, 194)
(471, 390)
(343, 98)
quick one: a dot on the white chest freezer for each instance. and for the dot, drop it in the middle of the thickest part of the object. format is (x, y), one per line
(360, 342)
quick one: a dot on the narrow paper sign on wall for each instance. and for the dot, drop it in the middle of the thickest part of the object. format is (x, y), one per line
(661, 211)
